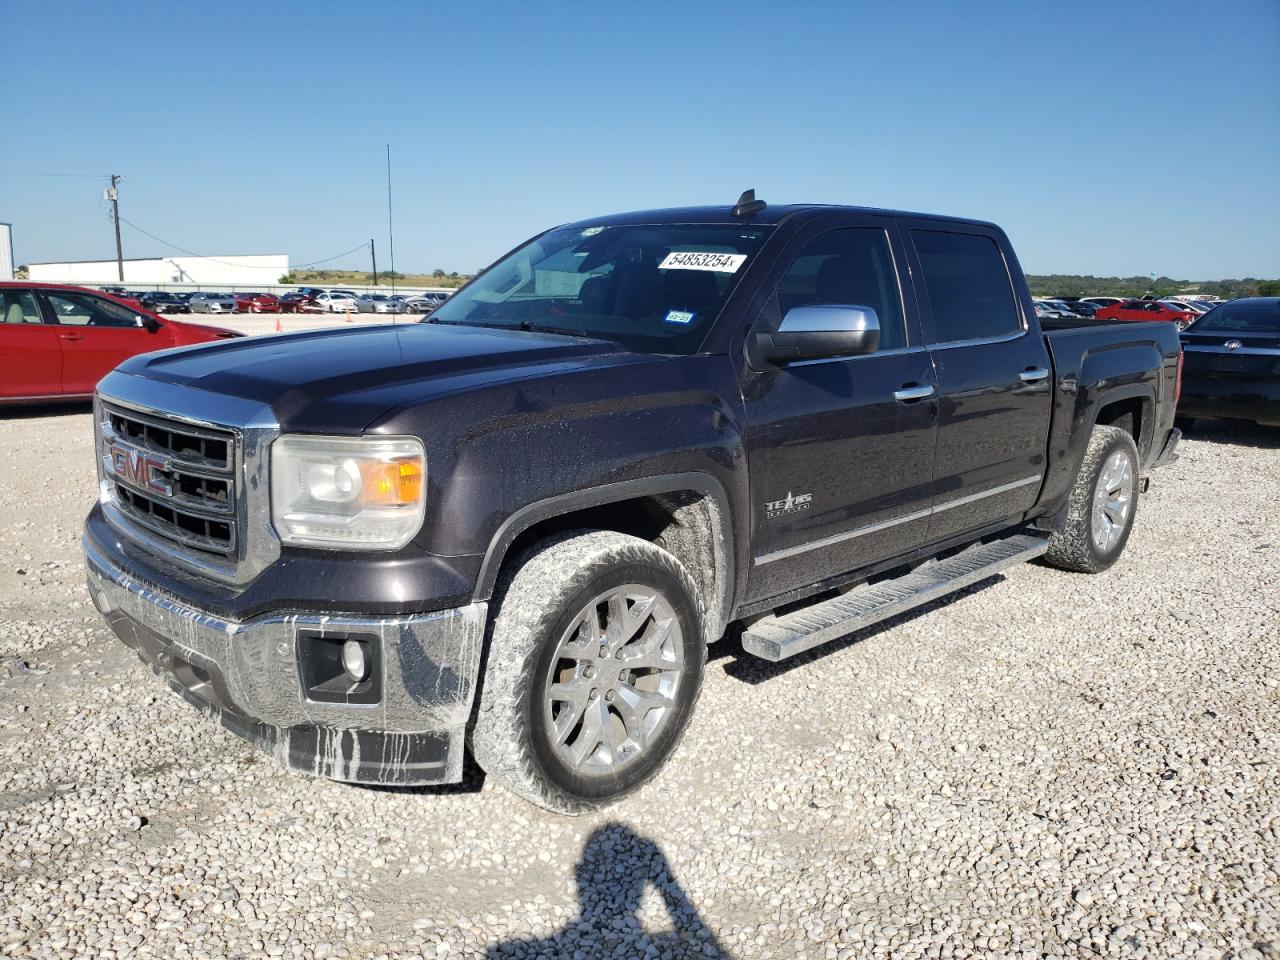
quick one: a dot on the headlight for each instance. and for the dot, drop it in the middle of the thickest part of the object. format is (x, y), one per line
(349, 493)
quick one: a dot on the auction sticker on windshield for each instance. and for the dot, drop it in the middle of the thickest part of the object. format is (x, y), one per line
(693, 260)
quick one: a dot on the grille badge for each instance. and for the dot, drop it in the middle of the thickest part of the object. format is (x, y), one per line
(140, 469)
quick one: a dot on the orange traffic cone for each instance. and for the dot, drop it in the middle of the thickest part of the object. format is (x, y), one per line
(278, 330)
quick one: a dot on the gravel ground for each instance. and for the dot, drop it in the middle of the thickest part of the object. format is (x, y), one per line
(1048, 765)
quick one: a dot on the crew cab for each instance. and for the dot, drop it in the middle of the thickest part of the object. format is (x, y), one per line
(58, 341)
(515, 527)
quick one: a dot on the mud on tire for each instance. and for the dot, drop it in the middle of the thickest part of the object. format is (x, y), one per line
(1076, 547)
(551, 622)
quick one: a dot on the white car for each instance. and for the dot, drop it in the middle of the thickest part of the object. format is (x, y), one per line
(337, 303)
(381, 303)
(212, 303)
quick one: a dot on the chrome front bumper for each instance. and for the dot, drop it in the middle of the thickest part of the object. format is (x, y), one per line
(245, 675)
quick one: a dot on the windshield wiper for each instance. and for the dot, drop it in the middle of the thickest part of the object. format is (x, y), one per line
(530, 326)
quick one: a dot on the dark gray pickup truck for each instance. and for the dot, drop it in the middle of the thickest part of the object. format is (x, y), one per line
(515, 528)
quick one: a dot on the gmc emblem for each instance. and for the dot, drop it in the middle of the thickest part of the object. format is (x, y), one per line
(140, 469)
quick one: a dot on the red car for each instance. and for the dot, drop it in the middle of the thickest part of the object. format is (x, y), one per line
(1146, 310)
(58, 341)
(257, 303)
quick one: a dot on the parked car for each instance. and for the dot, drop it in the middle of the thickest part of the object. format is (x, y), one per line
(1103, 301)
(1194, 306)
(712, 415)
(1048, 308)
(57, 341)
(257, 303)
(1081, 308)
(1147, 310)
(336, 302)
(1066, 309)
(381, 303)
(425, 302)
(292, 302)
(161, 301)
(212, 303)
(1232, 362)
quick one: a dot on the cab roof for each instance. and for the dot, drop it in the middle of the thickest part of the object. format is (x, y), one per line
(771, 215)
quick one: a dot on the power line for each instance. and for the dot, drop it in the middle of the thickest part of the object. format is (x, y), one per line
(68, 176)
(192, 253)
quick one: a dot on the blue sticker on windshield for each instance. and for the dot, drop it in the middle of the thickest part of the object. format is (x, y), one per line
(682, 317)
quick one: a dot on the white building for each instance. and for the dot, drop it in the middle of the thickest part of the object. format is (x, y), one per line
(248, 271)
(6, 251)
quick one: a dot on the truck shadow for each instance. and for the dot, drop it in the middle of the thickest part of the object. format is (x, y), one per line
(617, 869)
(743, 666)
(54, 408)
(1237, 433)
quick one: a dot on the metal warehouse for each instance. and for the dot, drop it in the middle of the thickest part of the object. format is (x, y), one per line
(241, 269)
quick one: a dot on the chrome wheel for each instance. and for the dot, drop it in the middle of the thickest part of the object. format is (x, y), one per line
(1112, 501)
(612, 683)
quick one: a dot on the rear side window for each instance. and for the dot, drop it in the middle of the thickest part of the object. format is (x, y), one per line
(968, 285)
(19, 306)
(850, 266)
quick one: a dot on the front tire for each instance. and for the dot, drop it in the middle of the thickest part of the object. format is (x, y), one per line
(594, 666)
(1104, 501)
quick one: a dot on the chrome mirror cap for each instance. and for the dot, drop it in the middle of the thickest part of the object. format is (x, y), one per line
(830, 318)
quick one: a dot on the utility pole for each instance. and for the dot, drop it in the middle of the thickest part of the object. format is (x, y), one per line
(114, 194)
(391, 232)
(373, 252)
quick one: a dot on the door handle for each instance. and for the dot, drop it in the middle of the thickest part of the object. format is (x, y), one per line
(1033, 375)
(72, 336)
(911, 394)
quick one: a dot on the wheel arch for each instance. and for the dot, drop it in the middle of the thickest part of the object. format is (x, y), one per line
(686, 514)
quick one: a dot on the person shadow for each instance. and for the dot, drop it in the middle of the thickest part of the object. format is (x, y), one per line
(614, 878)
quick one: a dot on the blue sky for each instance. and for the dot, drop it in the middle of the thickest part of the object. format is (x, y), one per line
(1107, 138)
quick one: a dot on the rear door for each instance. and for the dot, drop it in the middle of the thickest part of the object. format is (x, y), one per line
(96, 335)
(30, 353)
(993, 373)
(840, 469)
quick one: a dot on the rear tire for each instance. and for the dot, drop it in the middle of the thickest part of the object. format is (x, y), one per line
(1104, 501)
(594, 665)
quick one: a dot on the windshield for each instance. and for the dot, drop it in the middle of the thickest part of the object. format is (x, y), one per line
(654, 288)
(1242, 316)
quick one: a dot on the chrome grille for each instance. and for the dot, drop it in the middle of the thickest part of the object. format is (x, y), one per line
(173, 479)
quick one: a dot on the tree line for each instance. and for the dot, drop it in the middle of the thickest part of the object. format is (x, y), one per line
(1075, 285)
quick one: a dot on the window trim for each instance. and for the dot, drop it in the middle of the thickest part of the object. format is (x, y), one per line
(1023, 326)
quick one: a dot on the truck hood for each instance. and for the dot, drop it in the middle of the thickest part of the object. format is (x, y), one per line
(340, 380)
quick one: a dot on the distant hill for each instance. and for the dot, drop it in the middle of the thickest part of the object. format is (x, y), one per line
(1073, 285)
(331, 278)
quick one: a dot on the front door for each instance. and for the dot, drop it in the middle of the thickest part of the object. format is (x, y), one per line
(994, 379)
(840, 469)
(30, 355)
(96, 335)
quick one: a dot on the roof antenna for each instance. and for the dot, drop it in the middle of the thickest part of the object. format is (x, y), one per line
(747, 205)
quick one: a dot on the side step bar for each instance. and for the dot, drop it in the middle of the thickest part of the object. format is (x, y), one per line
(779, 637)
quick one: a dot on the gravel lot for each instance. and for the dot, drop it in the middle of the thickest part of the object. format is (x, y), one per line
(1048, 765)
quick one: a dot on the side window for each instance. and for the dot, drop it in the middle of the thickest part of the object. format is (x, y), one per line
(82, 310)
(19, 306)
(852, 266)
(968, 286)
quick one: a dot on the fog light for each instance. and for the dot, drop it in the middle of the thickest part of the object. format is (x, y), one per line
(354, 662)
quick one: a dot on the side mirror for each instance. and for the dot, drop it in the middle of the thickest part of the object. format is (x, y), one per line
(815, 333)
(146, 322)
